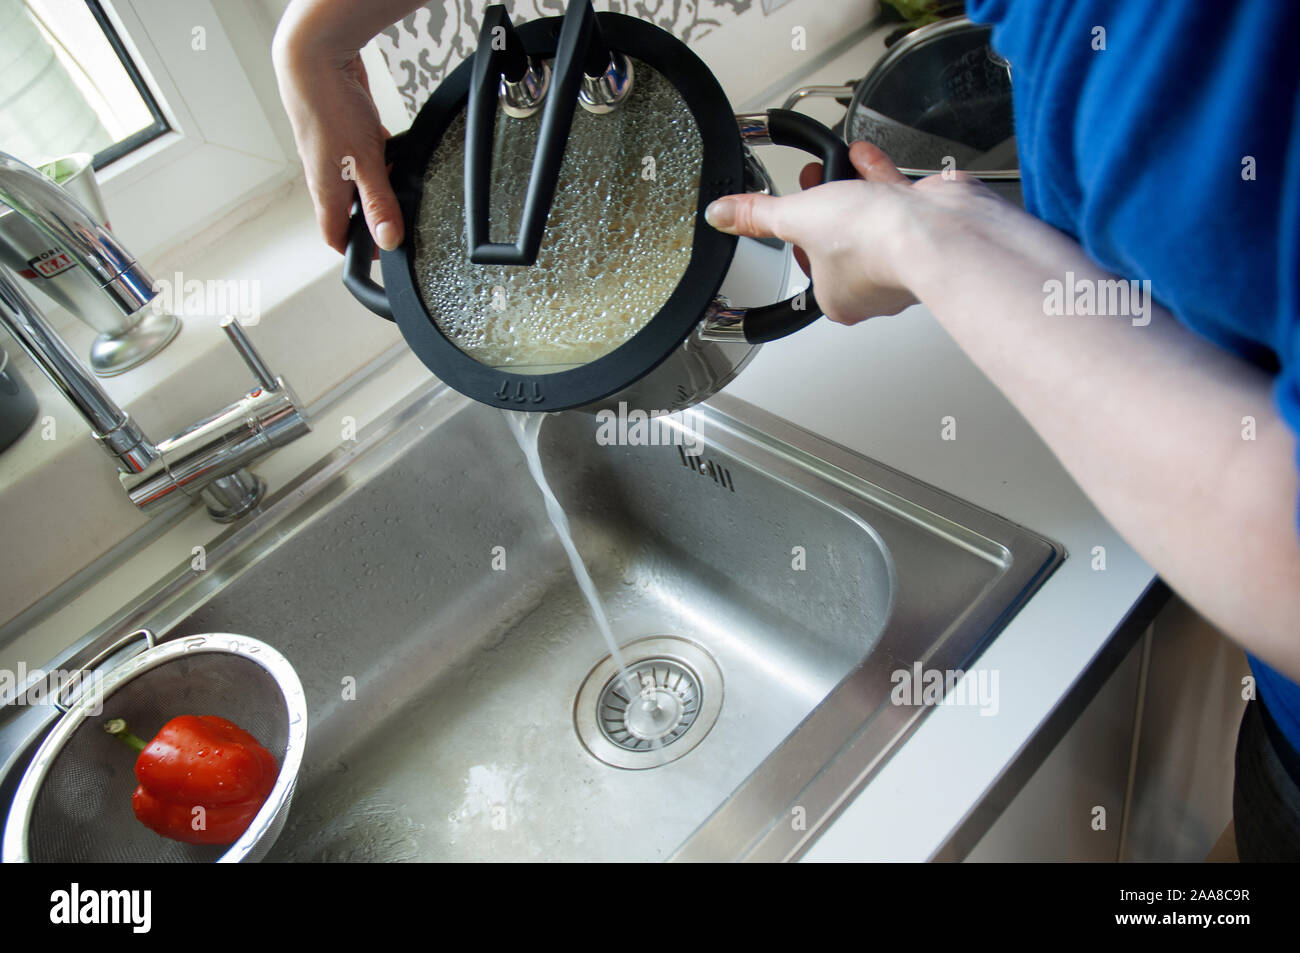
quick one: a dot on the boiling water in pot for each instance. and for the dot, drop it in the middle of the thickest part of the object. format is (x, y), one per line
(617, 241)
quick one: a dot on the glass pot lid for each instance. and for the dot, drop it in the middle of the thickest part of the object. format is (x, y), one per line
(617, 243)
(611, 269)
(557, 285)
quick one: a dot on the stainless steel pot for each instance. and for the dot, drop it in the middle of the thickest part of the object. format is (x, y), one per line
(501, 142)
(940, 98)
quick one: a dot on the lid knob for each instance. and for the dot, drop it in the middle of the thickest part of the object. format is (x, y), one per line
(605, 92)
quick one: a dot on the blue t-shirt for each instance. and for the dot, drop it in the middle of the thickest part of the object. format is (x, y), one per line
(1165, 136)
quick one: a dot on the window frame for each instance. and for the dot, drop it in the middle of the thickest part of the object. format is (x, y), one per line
(140, 137)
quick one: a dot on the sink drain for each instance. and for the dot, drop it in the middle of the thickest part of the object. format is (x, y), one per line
(663, 708)
(656, 710)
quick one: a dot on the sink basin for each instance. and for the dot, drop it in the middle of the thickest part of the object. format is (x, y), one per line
(770, 589)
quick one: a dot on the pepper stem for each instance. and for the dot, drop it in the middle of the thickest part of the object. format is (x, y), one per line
(117, 728)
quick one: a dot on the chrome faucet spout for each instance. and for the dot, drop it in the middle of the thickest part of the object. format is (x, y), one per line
(207, 461)
(110, 425)
(70, 225)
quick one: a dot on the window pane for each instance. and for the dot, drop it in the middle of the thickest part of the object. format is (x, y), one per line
(63, 87)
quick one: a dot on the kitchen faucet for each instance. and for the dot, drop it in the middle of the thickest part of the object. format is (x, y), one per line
(208, 459)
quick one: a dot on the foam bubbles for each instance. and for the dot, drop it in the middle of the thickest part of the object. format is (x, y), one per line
(616, 244)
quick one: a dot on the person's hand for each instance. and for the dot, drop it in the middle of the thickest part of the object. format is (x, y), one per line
(857, 239)
(339, 135)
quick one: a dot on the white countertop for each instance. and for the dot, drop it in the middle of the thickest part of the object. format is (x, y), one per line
(880, 389)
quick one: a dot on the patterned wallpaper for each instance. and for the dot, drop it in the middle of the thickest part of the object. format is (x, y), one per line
(427, 45)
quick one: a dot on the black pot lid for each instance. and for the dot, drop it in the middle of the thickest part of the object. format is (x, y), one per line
(627, 265)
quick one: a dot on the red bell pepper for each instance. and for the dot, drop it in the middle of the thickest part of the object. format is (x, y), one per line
(199, 761)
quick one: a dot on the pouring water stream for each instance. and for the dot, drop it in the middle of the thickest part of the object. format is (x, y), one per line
(526, 428)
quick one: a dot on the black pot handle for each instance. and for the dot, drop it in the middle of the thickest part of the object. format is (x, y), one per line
(788, 128)
(357, 256)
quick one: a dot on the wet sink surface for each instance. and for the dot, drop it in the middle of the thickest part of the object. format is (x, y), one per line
(417, 587)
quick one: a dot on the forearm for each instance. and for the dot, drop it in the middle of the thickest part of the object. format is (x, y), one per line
(336, 124)
(336, 29)
(1147, 419)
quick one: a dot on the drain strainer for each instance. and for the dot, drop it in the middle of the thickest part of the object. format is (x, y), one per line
(658, 711)
(658, 706)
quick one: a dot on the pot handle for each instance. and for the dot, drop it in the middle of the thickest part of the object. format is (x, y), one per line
(102, 656)
(357, 257)
(841, 94)
(783, 127)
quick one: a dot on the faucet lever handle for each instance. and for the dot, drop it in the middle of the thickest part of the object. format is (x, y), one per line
(244, 346)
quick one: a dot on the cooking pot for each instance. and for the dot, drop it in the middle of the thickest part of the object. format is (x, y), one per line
(939, 98)
(556, 254)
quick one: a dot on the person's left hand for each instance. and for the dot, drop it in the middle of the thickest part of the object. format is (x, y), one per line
(339, 135)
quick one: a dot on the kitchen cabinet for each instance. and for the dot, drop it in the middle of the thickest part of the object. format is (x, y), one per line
(1154, 749)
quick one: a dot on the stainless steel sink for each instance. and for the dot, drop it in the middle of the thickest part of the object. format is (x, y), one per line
(776, 583)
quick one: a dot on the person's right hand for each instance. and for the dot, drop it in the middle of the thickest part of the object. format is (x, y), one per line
(862, 241)
(339, 135)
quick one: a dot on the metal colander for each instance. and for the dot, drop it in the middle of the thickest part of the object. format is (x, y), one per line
(74, 801)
